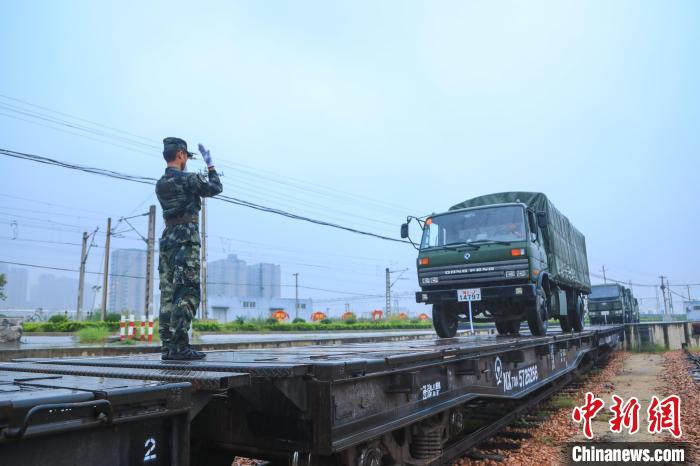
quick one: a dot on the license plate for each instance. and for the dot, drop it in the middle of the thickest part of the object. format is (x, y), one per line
(605, 313)
(469, 294)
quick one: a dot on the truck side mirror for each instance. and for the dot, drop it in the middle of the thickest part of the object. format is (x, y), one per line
(404, 230)
(542, 220)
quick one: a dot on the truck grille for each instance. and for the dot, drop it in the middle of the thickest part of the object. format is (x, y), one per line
(465, 274)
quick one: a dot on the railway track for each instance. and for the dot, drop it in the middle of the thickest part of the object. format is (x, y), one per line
(695, 359)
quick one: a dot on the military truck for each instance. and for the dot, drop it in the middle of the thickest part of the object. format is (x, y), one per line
(612, 304)
(513, 255)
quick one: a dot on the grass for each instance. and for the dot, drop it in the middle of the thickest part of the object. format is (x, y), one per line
(326, 325)
(563, 401)
(251, 325)
(94, 335)
(647, 348)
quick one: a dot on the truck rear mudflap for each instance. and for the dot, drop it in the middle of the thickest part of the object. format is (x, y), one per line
(490, 293)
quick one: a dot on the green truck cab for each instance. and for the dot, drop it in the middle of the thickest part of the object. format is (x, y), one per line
(513, 255)
(612, 304)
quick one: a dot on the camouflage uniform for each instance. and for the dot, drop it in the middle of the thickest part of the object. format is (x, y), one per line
(179, 194)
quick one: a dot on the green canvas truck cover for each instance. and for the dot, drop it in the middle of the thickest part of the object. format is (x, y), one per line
(565, 245)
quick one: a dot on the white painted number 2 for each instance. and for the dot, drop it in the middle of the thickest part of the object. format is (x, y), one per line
(150, 452)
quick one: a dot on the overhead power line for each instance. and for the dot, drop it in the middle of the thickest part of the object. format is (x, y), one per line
(65, 243)
(151, 181)
(90, 129)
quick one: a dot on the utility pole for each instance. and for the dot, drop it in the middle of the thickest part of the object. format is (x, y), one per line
(658, 303)
(605, 280)
(150, 249)
(389, 285)
(689, 298)
(103, 311)
(81, 281)
(204, 259)
(296, 295)
(667, 317)
(388, 293)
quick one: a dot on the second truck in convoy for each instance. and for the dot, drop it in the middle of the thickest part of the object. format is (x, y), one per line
(513, 256)
(612, 304)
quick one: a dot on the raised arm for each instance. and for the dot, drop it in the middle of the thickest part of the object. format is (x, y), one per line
(202, 186)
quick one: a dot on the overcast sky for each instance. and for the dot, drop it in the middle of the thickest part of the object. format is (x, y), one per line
(359, 113)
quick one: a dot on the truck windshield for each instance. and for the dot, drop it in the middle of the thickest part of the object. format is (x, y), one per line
(497, 224)
(604, 292)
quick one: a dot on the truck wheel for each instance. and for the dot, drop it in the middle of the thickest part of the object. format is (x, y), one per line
(565, 324)
(576, 316)
(508, 327)
(515, 327)
(444, 321)
(537, 315)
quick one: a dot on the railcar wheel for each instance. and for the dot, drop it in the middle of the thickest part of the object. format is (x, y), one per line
(371, 456)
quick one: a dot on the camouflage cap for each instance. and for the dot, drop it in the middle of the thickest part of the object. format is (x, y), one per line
(176, 144)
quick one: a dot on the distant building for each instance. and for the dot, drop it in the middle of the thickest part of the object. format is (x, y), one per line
(264, 281)
(233, 277)
(227, 277)
(692, 309)
(127, 292)
(227, 309)
(16, 288)
(54, 293)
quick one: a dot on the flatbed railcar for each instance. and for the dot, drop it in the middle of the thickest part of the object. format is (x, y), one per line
(404, 402)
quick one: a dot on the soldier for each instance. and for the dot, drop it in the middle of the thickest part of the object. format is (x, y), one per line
(180, 196)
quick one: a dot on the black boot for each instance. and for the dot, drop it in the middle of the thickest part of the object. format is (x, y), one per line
(184, 353)
(202, 354)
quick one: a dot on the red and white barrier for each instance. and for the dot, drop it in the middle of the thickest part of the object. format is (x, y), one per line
(143, 328)
(122, 328)
(132, 333)
(150, 329)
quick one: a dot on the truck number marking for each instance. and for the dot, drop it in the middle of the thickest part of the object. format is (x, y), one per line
(469, 294)
(150, 452)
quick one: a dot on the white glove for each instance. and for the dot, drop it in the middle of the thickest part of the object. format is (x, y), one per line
(206, 156)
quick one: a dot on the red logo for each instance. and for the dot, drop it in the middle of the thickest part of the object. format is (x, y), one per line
(661, 415)
(587, 412)
(665, 415)
(625, 415)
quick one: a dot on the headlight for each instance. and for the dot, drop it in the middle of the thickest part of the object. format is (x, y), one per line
(510, 273)
(425, 281)
(434, 280)
(522, 273)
